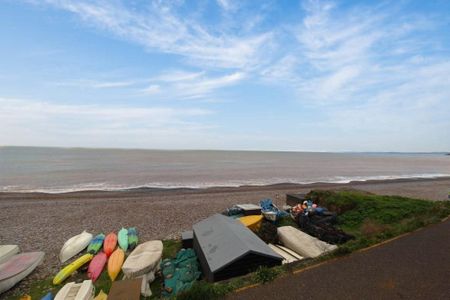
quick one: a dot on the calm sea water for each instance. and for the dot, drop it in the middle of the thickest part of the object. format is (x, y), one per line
(62, 170)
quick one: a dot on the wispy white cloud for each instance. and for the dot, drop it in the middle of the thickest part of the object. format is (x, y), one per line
(96, 84)
(159, 27)
(191, 85)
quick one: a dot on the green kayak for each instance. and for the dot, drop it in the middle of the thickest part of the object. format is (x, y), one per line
(96, 244)
(132, 238)
(123, 239)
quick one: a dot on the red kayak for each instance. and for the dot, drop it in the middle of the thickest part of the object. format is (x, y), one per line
(110, 243)
(96, 266)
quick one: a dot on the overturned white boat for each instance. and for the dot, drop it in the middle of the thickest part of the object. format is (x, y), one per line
(77, 291)
(6, 251)
(144, 262)
(74, 245)
(302, 243)
(143, 259)
(17, 267)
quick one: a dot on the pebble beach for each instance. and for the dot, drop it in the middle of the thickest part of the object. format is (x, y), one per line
(43, 222)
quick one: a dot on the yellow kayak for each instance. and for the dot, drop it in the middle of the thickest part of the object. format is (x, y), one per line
(252, 222)
(101, 296)
(25, 297)
(115, 263)
(69, 269)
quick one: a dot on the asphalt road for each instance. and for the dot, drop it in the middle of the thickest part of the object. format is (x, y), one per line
(415, 266)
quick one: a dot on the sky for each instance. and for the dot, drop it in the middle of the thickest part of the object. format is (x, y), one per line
(245, 75)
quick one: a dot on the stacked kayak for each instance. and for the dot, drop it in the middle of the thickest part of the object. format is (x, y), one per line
(110, 243)
(69, 269)
(123, 239)
(6, 251)
(77, 291)
(115, 263)
(96, 266)
(17, 267)
(132, 238)
(96, 244)
(74, 245)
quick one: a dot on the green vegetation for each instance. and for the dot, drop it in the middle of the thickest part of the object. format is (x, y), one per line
(264, 274)
(370, 218)
(373, 218)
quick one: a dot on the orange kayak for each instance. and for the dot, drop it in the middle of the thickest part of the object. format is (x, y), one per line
(115, 263)
(110, 243)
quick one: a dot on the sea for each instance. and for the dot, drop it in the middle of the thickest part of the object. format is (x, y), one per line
(58, 170)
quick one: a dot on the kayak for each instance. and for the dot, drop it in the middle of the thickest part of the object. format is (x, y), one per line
(123, 239)
(76, 291)
(143, 259)
(132, 238)
(96, 244)
(115, 263)
(110, 243)
(252, 222)
(69, 269)
(74, 245)
(18, 267)
(6, 251)
(96, 266)
(25, 297)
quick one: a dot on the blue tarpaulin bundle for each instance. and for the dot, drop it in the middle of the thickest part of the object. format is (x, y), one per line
(268, 206)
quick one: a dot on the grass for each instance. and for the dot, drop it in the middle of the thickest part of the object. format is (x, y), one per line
(370, 218)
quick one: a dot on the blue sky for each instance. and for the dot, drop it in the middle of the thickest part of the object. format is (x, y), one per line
(263, 75)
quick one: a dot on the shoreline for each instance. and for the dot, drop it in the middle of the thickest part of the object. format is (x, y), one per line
(220, 189)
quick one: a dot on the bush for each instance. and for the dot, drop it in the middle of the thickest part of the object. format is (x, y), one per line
(265, 274)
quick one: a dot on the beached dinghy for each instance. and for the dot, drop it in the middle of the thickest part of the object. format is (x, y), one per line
(6, 251)
(69, 269)
(77, 291)
(96, 266)
(96, 244)
(123, 239)
(110, 243)
(115, 263)
(302, 243)
(74, 245)
(143, 259)
(132, 238)
(17, 268)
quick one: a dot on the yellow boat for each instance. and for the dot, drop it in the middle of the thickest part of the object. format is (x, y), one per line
(69, 269)
(252, 222)
(101, 296)
(115, 263)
